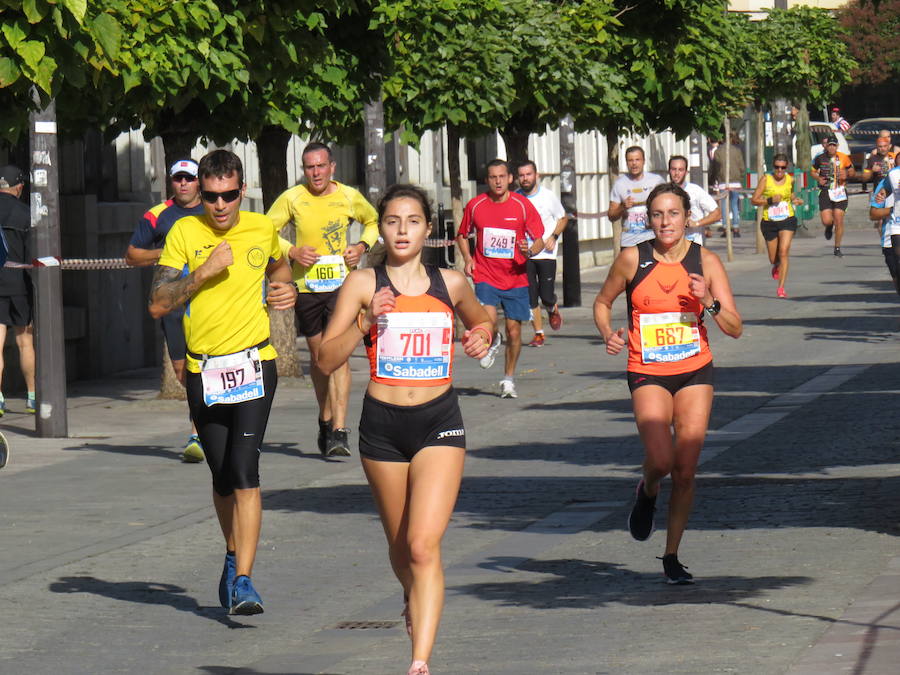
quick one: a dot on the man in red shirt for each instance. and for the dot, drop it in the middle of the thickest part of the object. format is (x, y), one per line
(503, 221)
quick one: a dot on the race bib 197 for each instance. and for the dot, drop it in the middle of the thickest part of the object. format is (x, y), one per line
(327, 274)
(414, 345)
(232, 378)
(669, 336)
(497, 242)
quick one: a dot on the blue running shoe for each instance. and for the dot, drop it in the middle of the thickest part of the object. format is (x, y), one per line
(226, 582)
(244, 598)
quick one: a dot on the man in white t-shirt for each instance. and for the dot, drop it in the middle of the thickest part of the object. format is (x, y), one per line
(704, 210)
(628, 198)
(541, 267)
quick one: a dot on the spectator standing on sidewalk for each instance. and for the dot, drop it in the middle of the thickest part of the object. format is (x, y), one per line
(838, 122)
(729, 185)
(16, 308)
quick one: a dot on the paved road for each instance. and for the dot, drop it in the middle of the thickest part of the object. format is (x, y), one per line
(110, 550)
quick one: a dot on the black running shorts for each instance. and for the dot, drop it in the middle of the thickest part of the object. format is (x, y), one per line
(395, 433)
(672, 383)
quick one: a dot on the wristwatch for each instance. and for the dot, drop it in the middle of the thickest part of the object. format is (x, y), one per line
(714, 308)
(364, 245)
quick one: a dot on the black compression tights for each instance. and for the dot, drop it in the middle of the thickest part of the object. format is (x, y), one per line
(232, 434)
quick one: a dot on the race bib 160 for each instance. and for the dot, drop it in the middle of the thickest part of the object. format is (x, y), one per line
(327, 274)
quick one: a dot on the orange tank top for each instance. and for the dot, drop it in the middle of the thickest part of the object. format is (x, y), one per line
(412, 346)
(666, 335)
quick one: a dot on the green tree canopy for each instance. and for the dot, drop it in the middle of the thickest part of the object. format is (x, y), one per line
(805, 56)
(48, 44)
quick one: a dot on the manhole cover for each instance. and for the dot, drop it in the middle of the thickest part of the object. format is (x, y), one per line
(365, 625)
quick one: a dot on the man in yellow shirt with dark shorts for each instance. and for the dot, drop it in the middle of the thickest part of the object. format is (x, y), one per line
(216, 265)
(322, 211)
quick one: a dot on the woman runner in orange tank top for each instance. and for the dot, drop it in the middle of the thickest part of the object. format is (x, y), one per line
(670, 283)
(412, 439)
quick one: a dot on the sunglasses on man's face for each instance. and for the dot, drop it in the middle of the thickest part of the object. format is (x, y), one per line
(781, 167)
(212, 197)
(182, 177)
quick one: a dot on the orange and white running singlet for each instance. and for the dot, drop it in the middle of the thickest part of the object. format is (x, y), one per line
(666, 335)
(412, 346)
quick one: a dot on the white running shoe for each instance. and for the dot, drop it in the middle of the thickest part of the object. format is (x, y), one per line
(488, 359)
(508, 389)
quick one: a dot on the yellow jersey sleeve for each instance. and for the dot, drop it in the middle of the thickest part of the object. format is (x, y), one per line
(174, 251)
(366, 214)
(280, 212)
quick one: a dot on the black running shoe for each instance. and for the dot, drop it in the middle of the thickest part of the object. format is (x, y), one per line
(640, 520)
(338, 445)
(324, 433)
(829, 230)
(675, 572)
(837, 253)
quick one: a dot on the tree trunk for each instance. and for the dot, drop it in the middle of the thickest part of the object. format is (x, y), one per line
(271, 149)
(801, 130)
(760, 170)
(612, 167)
(169, 386)
(456, 204)
(176, 145)
(515, 139)
(727, 210)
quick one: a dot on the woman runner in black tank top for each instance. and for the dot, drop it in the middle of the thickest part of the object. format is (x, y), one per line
(412, 440)
(670, 283)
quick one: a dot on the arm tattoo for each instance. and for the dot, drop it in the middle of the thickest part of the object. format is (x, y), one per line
(170, 289)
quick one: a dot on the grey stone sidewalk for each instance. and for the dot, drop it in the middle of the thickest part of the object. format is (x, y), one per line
(111, 553)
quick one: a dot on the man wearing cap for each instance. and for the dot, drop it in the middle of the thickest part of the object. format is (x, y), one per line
(832, 169)
(838, 122)
(146, 247)
(15, 284)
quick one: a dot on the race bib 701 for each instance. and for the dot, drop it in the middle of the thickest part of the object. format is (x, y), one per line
(414, 345)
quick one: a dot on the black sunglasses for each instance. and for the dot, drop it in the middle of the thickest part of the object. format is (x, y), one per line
(212, 197)
(183, 177)
(781, 166)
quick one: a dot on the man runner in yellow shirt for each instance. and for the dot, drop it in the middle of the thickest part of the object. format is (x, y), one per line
(322, 210)
(215, 265)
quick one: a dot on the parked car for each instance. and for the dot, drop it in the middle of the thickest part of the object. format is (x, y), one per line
(861, 137)
(818, 132)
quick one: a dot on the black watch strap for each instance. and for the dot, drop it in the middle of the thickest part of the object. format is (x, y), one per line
(714, 308)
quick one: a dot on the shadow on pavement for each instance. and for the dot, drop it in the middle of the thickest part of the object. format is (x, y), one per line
(227, 670)
(165, 452)
(144, 592)
(588, 584)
